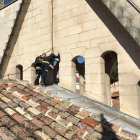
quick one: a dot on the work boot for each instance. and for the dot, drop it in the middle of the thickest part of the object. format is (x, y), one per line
(42, 82)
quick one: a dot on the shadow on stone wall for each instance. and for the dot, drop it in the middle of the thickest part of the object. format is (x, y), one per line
(121, 34)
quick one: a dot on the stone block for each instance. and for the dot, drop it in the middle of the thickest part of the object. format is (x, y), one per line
(75, 29)
(78, 10)
(86, 44)
(72, 4)
(88, 35)
(71, 46)
(70, 39)
(77, 51)
(92, 52)
(128, 79)
(130, 111)
(109, 46)
(90, 25)
(102, 32)
(66, 57)
(69, 22)
(126, 67)
(94, 78)
(131, 102)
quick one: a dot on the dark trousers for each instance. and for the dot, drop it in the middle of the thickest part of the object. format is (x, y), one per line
(38, 74)
(44, 70)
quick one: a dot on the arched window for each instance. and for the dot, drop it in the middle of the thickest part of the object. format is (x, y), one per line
(79, 76)
(19, 72)
(111, 79)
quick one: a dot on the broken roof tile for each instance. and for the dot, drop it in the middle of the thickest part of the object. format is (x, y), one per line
(1, 95)
(69, 134)
(42, 109)
(24, 105)
(58, 137)
(20, 132)
(3, 105)
(43, 104)
(64, 115)
(20, 86)
(75, 137)
(29, 126)
(49, 131)
(73, 110)
(18, 118)
(86, 127)
(38, 123)
(60, 107)
(8, 122)
(10, 111)
(25, 98)
(20, 110)
(16, 100)
(89, 122)
(53, 109)
(28, 116)
(47, 120)
(6, 100)
(2, 114)
(53, 115)
(12, 104)
(27, 90)
(42, 135)
(7, 134)
(73, 119)
(34, 111)
(59, 128)
(9, 95)
(77, 130)
(50, 102)
(81, 115)
(56, 101)
(5, 86)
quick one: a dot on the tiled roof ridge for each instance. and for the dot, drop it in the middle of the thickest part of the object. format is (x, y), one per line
(48, 116)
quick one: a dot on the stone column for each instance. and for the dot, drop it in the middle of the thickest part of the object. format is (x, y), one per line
(107, 90)
(129, 94)
(33, 75)
(81, 84)
(94, 75)
(67, 75)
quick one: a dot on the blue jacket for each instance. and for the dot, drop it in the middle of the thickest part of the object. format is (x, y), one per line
(48, 59)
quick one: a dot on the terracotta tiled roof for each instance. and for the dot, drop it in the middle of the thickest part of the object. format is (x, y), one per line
(30, 113)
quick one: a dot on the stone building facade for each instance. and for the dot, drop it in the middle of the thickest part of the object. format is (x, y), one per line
(103, 32)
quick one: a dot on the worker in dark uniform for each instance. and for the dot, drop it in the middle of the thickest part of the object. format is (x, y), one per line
(38, 63)
(45, 66)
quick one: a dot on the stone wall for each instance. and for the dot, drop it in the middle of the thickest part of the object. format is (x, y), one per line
(81, 28)
(8, 16)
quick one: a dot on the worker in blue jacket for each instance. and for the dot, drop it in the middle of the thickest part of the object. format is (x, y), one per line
(45, 66)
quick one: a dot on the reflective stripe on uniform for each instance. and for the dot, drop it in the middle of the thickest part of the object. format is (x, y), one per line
(46, 70)
(46, 62)
(37, 75)
(38, 68)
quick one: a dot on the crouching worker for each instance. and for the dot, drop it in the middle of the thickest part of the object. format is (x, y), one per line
(38, 63)
(45, 66)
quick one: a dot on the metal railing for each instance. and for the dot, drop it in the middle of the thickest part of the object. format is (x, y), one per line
(134, 5)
